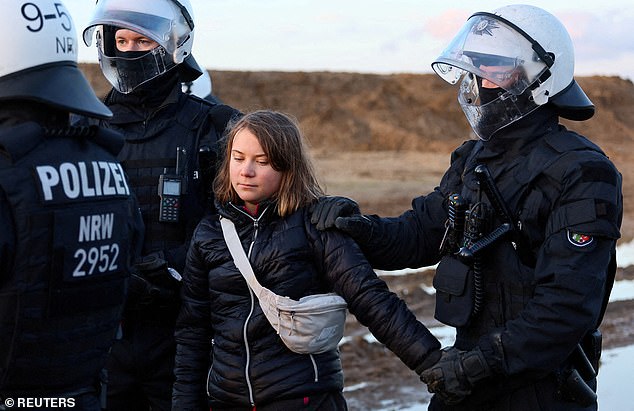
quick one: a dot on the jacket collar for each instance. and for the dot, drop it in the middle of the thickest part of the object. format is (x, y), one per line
(267, 210)
(135, 107)
(514, 139)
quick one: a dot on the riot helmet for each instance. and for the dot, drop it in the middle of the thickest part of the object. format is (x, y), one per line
(169, 23)
(40, 58)
(527, 54)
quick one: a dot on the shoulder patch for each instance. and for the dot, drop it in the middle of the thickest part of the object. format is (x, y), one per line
(578, 239)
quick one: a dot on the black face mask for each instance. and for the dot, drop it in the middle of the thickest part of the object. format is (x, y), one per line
(130, 54)
(153, 92)
(132, 65)
(487, 95)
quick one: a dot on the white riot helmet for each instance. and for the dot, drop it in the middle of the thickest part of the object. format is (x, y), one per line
(39, 58)
(524, 50)
(168, 22)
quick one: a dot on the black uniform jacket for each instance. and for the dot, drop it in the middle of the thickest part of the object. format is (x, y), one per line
(546, 285)
(222, 322)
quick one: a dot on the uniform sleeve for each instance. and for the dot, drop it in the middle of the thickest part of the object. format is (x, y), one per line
(571, 274)
(413, 239)
(193, 336)
(369, 299)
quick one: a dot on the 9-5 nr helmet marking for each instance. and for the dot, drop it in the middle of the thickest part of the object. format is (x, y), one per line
(40, 58)
(32, 13)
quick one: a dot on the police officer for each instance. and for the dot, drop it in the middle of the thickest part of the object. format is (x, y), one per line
(523, 224)
(70, 226)
(144, 49)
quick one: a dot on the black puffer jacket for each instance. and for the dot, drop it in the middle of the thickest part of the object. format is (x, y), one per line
(249, 363)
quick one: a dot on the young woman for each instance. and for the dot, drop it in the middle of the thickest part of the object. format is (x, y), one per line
(229, 357)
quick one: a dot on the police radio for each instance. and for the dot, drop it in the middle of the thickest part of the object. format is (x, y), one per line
(170, 188)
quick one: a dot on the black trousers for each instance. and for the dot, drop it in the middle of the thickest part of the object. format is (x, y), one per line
(141, 368)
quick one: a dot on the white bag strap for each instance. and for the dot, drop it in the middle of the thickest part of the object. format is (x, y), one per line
(239, 256)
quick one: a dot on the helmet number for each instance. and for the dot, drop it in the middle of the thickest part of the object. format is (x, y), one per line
(32, 13)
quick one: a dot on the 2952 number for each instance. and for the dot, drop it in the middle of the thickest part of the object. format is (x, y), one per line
(102, 259)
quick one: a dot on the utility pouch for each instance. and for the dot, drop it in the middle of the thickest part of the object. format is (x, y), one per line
(454, 292)
(576, 379)
(573, 388)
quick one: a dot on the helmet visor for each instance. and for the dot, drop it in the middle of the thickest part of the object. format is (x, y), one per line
(127, 73)
(492, 49)
(488, 115)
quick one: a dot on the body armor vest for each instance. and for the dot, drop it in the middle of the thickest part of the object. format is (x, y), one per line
(75, 225)
(145, 158)
(496, 285)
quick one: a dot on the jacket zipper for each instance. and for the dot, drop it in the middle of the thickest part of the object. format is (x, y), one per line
(210, 368)
(256, 225)
(315, 369)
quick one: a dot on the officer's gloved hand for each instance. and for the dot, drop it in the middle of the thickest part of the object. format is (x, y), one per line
(150, 264)
(342, 213)
(325, 212)
(151, 279)
(454, 375)
(360, 227)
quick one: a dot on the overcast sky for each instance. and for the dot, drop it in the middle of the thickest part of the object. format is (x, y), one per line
(373, 36)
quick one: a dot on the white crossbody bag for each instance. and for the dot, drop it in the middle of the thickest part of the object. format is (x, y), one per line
(312, 325)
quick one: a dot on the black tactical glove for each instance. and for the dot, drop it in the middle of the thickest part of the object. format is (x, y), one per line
(455, 374)
(151, 279)
(151, 263)
(360, 227)
(325, 212)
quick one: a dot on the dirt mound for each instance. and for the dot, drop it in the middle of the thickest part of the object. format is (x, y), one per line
(361, 112)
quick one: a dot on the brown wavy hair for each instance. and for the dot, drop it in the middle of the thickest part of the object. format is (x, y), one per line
(281, 139)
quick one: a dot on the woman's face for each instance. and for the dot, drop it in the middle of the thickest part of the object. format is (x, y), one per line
(251, 173)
